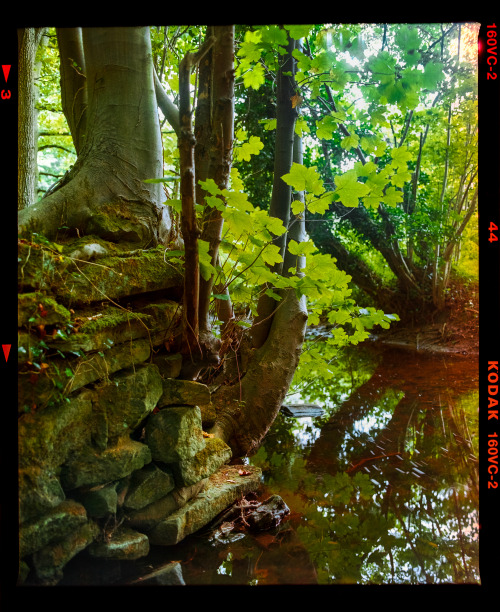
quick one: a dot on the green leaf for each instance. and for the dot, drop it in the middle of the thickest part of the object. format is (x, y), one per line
(304, 179)
(274, 35)
(301, 126)
(255, 77)
(303, 62)
(297, 207)
(298, 31)
(205, 260)
(400, 157)
(272, 294)
(271, 254)
(401, 178)
(392, 197)
(407, 38)
(247, 149)
(301, 248)
(320, 205)
(433, 74)
(350, 189)
(211, 186)
(326, 127)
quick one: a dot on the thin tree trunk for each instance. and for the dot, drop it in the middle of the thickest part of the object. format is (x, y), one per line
(220, 150)
(286, 115)
(189, 226)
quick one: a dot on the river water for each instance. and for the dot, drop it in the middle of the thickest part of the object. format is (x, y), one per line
(381, 483)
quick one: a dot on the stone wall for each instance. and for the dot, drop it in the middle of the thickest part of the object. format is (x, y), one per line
(113, 454)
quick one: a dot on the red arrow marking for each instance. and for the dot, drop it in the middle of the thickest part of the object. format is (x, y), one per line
(6, 350)
(6, 70)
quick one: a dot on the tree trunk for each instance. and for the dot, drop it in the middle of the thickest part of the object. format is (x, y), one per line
(220, 144)
(73, 85)
(27, 166)
(286, 115)
(104, 193)
(247, 409)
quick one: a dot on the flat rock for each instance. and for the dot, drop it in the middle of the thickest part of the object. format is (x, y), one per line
(224, 487)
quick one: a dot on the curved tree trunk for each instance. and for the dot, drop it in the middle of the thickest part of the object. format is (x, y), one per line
(247, 409)
(104, 193)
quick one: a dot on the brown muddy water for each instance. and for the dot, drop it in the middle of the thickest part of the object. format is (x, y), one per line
(382, 487)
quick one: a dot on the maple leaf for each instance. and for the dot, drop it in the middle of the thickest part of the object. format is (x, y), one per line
(304, 179)
(349, 189)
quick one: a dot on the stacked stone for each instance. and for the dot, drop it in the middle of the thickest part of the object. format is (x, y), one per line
(122, 460)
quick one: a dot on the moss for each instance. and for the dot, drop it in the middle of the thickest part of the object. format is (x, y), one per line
(37, 308)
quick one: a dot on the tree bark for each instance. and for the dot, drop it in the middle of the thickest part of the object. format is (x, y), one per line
(286, 115)
(27, 166)
(220, 132)
(104, 193)
(247, 409)
(73, 86)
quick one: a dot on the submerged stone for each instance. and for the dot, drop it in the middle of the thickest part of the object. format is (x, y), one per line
(100, 501)
(169, 574)
(39, 492)
(46, 437)
(183, 392)
(189, 393)
(127, 399)
(169, 365)
(146, 518)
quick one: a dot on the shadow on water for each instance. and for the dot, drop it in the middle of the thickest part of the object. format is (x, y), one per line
(382, 487)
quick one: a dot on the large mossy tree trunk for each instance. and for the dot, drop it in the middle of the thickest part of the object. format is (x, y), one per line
(104, 193)
(27, 167)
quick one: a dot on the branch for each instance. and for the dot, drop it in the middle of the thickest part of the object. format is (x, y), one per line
(168, 108)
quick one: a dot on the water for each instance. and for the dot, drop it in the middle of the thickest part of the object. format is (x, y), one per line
(382, 489)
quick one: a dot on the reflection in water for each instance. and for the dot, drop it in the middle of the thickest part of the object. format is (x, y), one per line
(388, 491)
(383, 488)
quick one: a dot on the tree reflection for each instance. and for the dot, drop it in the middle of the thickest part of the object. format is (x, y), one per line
(385, 489)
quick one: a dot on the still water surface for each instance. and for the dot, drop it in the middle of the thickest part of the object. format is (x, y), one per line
(382, 486)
